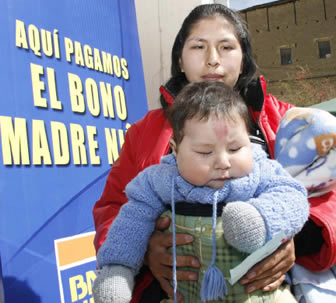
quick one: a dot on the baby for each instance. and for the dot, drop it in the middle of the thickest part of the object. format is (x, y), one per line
(212, 164)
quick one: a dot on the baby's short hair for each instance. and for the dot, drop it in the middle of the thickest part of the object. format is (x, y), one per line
(202, 99)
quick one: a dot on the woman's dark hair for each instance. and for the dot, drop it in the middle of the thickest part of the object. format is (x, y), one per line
(202, 99)
(178, 79)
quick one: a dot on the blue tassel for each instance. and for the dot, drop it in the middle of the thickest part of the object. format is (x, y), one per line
(174, 242)
(213, 284)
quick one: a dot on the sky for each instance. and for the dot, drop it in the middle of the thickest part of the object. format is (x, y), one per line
(242, 4)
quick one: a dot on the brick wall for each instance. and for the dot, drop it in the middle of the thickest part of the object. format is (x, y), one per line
(297, 25)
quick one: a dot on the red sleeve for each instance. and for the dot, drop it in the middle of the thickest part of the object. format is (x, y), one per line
(113, 197)
(322, 212)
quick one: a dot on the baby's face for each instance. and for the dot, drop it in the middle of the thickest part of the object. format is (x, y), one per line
(214, 151)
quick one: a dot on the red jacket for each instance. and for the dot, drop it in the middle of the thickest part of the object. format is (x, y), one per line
(147, 140)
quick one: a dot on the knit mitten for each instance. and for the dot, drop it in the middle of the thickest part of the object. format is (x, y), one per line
(114, 284)
(244, 228)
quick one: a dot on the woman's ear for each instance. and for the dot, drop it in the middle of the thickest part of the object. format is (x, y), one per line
(172, 145)
(241, 67)
(181, 65)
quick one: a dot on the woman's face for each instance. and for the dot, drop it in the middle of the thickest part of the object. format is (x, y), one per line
(212, 52)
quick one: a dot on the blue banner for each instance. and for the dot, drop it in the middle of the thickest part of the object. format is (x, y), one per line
(71, 83)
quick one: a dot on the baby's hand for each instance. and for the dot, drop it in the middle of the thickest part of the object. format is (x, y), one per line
(244, 228)
(113, 285)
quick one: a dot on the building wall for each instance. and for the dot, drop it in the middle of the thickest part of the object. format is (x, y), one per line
(299, 25)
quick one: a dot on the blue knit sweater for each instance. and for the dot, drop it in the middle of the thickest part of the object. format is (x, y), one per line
(281, 201)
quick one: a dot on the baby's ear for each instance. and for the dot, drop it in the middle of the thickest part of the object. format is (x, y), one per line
(172, 145)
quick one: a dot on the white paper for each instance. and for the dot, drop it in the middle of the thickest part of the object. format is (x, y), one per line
(240, 270)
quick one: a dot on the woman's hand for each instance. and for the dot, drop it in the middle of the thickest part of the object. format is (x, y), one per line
(271, 272)
(160, 261)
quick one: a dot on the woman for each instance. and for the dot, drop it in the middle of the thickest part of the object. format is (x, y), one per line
(212, 44)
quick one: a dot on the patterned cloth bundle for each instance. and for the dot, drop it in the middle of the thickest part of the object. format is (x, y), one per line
(306, 148)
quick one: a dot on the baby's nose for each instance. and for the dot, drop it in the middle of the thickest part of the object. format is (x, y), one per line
(223, 161)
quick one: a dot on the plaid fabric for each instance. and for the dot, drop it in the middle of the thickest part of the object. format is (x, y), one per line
(227, 258)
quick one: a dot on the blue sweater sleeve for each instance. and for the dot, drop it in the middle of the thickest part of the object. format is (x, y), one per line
(280, 199)
(128, 236)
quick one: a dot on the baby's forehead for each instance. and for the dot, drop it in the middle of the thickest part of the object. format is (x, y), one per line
(221, 126)
(217, 118)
